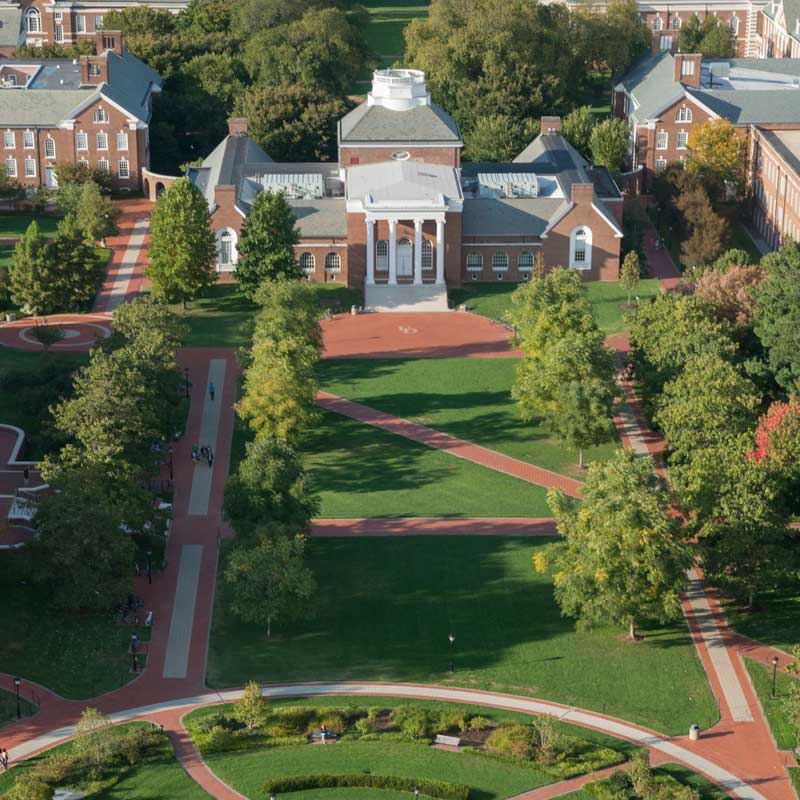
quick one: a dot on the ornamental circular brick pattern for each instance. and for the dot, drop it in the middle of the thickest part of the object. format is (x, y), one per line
(445, 334)
(81, 331)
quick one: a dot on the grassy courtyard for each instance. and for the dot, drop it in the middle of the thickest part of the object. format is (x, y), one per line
(77, 656)
(774, 710)
(13, 224)
(388, 606)
(776, 620)
(608, 299)
(466, 397)
(387, 23)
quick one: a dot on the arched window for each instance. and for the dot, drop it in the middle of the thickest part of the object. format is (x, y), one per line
(33, 21)
(676, 23)
(500, 261)
(427, 254)
(580, 248)
(684, 114)
(733, 25)
(525, 260)
(333, 263)
(382, 255)
(474, 261)
(307, 262)
(658, 24)
(226, 250)
(404, 242)
(49, 147)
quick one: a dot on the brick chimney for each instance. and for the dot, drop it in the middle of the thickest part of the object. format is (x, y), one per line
(551, 125)
(686, 69)
(108, 40)
(225, 196)
(582, 193)
(237, 126)
(94, 70)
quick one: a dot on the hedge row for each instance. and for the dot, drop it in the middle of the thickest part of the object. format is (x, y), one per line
(437, 789)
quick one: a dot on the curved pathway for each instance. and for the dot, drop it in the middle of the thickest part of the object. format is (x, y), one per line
(82, 331)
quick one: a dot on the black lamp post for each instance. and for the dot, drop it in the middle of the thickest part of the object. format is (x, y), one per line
(17, 682)
(186, 383)
(416, 793)
(134, 642)
(150, 567)
(774, 674)
(170, 464)
(451, 638)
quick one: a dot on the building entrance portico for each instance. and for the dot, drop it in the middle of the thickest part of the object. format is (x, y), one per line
(405, 255)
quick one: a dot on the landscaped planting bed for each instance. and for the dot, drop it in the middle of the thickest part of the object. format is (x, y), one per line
(388, 605)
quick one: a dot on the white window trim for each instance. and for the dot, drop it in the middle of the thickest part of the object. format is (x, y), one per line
(659, 136)
(475, 267)
(526, 267)
(82, 136)
(230, 266)
(127, 164)
(381, 260)
(11, 167)
(338, 267)
(13, 145)
(97, 139)
(502, 267)
(678, 145)
(30, 160)
(47, 143)
(587, 263)
(25, 145)
(308, 269)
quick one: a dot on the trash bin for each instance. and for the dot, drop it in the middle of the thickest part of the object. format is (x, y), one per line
(694, 732)
(354, 310)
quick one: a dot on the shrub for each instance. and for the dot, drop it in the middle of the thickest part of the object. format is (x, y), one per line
(251, 708)
(132, 745)
(517, 741)
(54, 768)
(413, 721)
(363, 726)
(452, 721)
(437, 789)
(479, 723)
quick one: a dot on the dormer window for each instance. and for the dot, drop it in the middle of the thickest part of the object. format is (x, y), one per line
(401, 155)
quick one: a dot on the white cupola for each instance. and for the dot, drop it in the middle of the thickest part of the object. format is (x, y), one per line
(398, 89)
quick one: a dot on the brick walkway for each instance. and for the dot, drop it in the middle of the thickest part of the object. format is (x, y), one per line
(82, 330)
(129, 255)
(449, 444)
(454, 334)
(565, 787)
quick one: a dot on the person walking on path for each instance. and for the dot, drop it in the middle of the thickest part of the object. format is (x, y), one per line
(211, 390)
(26, 475)
(210, 457)
(4, 757)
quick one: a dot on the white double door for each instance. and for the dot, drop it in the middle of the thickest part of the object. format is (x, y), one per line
(405, 259)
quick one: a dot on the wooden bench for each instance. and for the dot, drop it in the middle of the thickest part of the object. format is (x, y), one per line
(448, 741)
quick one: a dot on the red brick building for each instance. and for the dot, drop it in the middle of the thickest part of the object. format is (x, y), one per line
(93, 110)
(402, 216)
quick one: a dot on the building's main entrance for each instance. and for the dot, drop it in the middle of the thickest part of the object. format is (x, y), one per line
(405, 258)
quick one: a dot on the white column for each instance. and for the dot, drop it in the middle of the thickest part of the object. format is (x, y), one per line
(417, 252)
(439, 252)
(370, 252)
(392, 252)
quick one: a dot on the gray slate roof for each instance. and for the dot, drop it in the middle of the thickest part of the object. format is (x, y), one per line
(791, 11)
(513, 216)
(400, 181)
(419, 125)
(10, 25)
(741, 108)
(786, 144)
(321, 218)
(56, 91)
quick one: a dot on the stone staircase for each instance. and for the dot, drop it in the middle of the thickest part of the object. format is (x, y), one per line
(428, 297)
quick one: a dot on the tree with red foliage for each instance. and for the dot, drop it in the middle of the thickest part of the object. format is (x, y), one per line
(778, 436)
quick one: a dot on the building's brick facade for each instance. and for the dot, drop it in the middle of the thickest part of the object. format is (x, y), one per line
(354, 155)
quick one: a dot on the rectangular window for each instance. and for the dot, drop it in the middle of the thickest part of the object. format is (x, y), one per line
(102, 141)
(665, 43)
(682, 140)
(102, 165)
(59, 33)
(30, 168)
(82, 162)
(9, 140)
(662, 138)
(124, 170)
(98, 23)
(82, 141)
(27, 140)
(661, 164)
(580, 252)
(94, 72)
(122, 141)
(80, 23)
(687, 67)
(49, 148)
(11, 167)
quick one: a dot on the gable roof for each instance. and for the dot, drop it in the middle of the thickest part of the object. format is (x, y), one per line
(371, 124)
(55, 92)
(403, 181)
(10, 25)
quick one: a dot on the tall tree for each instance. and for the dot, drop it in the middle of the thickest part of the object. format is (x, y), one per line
(777, 313)
(31, 272)
(267, 242)
(96, 214)
(271, 490)
(623, 559)
(145, 316)
(609, 143)
(270, 582)
(182, 244)
(498, 137)
(578, 126)
(716, 156)
(293, 122)
(79, 273)
(629, 273)
(729, 294)
(707, 231)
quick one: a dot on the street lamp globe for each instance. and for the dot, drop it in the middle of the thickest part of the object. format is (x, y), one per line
(451, 638)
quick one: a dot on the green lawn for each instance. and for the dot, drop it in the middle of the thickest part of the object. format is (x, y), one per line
(761, 677)
(775, 622)
(388, 20)
(220, 318)
(361, 471)
(158, 777)
(14, 224)
(388, 605)
(608, 299)
(466, 397)
(247, 771)
(76, 656)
